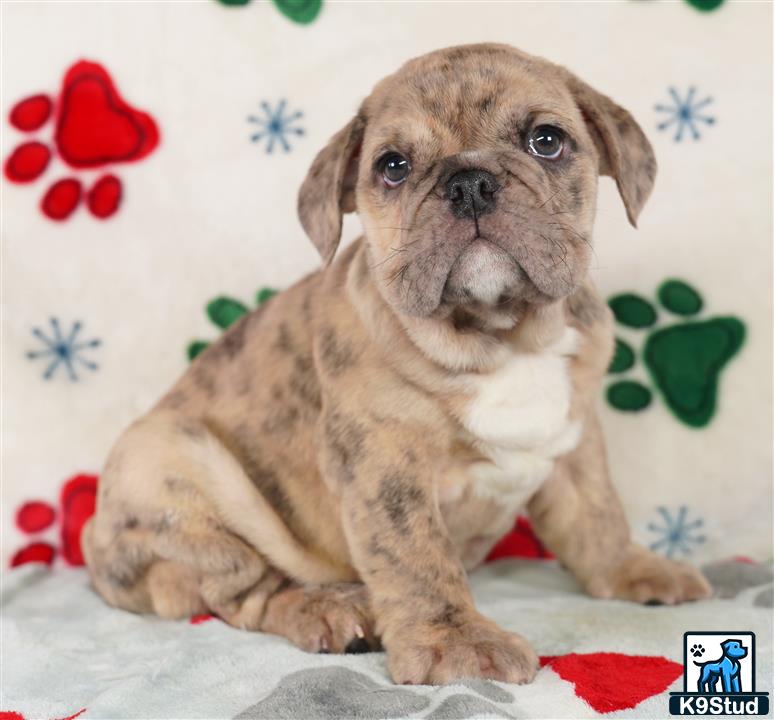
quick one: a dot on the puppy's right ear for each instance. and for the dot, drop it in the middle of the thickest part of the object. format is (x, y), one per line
(328, 191)
(624, 151)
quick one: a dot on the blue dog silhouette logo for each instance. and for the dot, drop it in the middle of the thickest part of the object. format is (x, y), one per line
(719, 676)
(727, 669)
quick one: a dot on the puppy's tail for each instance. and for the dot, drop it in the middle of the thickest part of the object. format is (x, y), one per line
(246, 512)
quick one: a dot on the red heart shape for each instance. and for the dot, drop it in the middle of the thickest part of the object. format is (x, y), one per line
(95, 125)
(614, 681)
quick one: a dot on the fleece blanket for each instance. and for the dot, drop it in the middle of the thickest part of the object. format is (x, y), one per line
(67, 654)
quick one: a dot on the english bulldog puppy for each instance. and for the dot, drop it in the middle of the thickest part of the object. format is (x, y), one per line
(332, 466)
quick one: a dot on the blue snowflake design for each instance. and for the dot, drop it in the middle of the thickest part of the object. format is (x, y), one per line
(275, 126)
(685, 114)
(677, 533)
(64, 351)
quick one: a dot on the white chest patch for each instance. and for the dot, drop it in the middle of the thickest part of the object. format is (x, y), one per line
(519, 416)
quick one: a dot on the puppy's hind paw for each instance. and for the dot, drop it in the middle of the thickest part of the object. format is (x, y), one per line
(328, 619)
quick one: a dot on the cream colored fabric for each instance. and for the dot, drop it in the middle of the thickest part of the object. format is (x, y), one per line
(212, 213)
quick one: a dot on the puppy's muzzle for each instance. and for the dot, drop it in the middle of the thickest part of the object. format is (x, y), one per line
(471, 193)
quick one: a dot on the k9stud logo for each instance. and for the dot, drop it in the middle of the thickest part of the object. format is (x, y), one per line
(719, 676)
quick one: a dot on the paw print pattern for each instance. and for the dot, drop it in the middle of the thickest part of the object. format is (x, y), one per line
(697, 650)
(93, 127)
(76, 505)
(302, 12)
(224, 311)
(12, 715)
(706, 5)
(520, 542)
(738, 575)
(608, 682)
(684, 359)
(34, 517)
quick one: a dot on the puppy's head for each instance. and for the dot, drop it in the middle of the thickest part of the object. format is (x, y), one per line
(474, 170)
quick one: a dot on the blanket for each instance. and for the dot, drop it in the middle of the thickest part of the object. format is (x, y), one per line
(66, 653)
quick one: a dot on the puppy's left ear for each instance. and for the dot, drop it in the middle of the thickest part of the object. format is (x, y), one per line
(624, 151)
(328, 191)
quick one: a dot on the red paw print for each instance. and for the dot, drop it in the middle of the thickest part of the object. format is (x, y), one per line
(520, 542)
(11, 715)
(76, 505)
(94, 127)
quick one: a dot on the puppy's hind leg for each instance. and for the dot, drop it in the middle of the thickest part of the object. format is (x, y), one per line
(118, 561)
(240, 596)
(201, 567)
(180, 528)
(174, 590)
(330, 618)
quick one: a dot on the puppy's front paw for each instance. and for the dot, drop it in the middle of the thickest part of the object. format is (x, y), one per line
(470, 647)
(651, 579)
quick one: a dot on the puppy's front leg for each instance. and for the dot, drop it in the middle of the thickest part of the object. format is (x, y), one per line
(578, 515)
(420, 596)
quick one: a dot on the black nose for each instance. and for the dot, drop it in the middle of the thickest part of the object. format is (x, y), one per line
(471, 192)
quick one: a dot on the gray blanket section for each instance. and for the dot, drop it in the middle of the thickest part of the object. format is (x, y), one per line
(337, 693)
(71, 652)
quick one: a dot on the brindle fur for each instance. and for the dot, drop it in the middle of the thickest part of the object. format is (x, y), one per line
(309, 474)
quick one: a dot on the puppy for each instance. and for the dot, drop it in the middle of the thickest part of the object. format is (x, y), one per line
(332, 466)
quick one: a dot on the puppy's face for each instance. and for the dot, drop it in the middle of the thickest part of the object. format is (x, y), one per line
(474, 171)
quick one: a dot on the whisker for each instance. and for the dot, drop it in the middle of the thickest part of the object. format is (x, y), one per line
(399, 273)
(562, 257)
(544, 203)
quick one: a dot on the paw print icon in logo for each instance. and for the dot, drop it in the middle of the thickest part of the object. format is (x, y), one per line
(94, 127)
(697, 650)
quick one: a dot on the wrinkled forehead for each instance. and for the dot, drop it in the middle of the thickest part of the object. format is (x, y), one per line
(463, 97)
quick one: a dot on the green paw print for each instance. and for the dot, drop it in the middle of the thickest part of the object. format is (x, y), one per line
(684, 359)
(706, 5)
(224, 311)
(300, 11)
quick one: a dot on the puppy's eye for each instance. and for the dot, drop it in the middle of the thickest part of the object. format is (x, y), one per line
(395, 169)
(546, 141)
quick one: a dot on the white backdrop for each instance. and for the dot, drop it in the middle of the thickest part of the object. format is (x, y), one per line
(210, 213)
